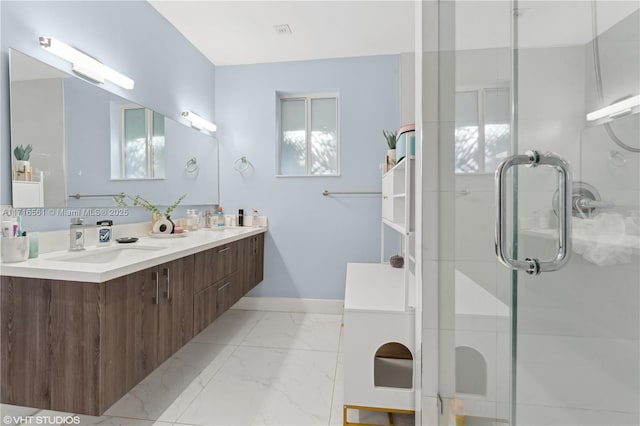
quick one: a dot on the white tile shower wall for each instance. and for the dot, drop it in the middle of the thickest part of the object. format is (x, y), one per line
(577, 372)
(580, 300)
(618, 45)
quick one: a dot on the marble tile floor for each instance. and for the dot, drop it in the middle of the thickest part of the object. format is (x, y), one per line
(247, 368)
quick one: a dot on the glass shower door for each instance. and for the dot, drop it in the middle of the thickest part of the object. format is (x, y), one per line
(576, 331)
(559, 348)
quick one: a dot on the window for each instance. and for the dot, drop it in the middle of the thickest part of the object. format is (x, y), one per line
(483, 129)
(141, 143)
(308, 135)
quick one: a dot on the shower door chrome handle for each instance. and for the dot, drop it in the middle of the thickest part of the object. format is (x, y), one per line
(532, 265)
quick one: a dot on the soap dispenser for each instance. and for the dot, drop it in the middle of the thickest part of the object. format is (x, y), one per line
(76, 234)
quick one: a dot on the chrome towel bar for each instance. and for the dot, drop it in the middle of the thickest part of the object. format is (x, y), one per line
(78, 196)
(326, 193)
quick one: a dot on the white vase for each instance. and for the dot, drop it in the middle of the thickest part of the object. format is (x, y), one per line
(391, 153)
(23, 165)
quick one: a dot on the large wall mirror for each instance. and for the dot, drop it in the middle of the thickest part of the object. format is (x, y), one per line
(76, 144)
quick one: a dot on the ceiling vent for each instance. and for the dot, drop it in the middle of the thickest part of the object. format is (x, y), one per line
(282, 29)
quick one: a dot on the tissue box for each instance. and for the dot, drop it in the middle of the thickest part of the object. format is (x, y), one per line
(14, 249)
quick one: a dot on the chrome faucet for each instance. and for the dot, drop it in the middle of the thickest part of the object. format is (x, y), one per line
(76, 234)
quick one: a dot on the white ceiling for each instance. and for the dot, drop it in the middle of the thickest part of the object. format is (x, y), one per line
(241, 32)
(486, 24)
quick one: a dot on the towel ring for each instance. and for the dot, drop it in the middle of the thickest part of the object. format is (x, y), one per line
(241, 164)
(192, 165)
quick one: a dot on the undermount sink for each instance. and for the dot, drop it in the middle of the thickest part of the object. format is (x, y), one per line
(227, 231)
(105, 255)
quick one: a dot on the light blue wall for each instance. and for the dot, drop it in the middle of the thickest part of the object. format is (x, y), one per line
(170, 74)
(311, 237)
(88, 112)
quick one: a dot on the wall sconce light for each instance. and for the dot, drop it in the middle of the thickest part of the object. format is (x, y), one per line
(199, 122)
(84, 64)
(615, 110)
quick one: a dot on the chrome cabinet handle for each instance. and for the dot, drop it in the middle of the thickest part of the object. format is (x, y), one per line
(156, 298)
(530, 265)
(165, 272)
(224, 249)
(224, 285)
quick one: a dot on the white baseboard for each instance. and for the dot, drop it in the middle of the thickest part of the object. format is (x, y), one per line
(290, 304)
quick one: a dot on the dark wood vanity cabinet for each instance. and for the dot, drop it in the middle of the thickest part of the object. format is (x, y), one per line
(148, 317)
(175, 324)
(79, 347)
(219, 281)
(256, 274)
(130, 338)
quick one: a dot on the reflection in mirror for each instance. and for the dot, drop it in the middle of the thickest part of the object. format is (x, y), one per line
(89, 144)
(138, 152)
(37, 119)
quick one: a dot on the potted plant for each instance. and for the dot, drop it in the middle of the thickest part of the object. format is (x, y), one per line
(392, 138)
(156, 215)
(22, 155)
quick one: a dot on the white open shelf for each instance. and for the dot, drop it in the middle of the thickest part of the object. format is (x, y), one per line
(399, 227)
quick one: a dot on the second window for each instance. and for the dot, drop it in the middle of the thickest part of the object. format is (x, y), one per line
(308, 135)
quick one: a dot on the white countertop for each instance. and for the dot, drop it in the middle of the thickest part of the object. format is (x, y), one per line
(45, 267)
(374, 287)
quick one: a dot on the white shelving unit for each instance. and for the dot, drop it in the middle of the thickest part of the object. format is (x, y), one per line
(397, 211)
(379, 323)
(29, 193)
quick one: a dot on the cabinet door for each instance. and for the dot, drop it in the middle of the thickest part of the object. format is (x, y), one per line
(255, 264)
(204, 308)
(130, 332)
(259, 259)
(26, 341)
(175, 323)
(244, 262)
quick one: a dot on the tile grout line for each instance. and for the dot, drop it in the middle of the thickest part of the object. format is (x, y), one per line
(335, 371)
(214, 375)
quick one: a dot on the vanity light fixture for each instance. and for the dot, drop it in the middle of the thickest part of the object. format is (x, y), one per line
(615, 110)
(199, 122)
(84, 64)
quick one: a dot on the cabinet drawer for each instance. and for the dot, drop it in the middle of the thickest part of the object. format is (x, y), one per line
(223, 261)
(214, 265)
(229, 292)
(205, 308)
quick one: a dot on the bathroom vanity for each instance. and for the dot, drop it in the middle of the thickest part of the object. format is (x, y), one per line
(76, 337)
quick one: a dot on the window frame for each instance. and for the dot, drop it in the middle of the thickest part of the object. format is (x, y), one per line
(480, 90)
(307, 97)
(148, 129)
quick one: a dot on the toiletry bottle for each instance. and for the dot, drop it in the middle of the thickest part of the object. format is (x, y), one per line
(190, 219)
(33, 245)
(220, 217)
(213, 220)
(76, 234)
(240, 217)
(104, 232)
